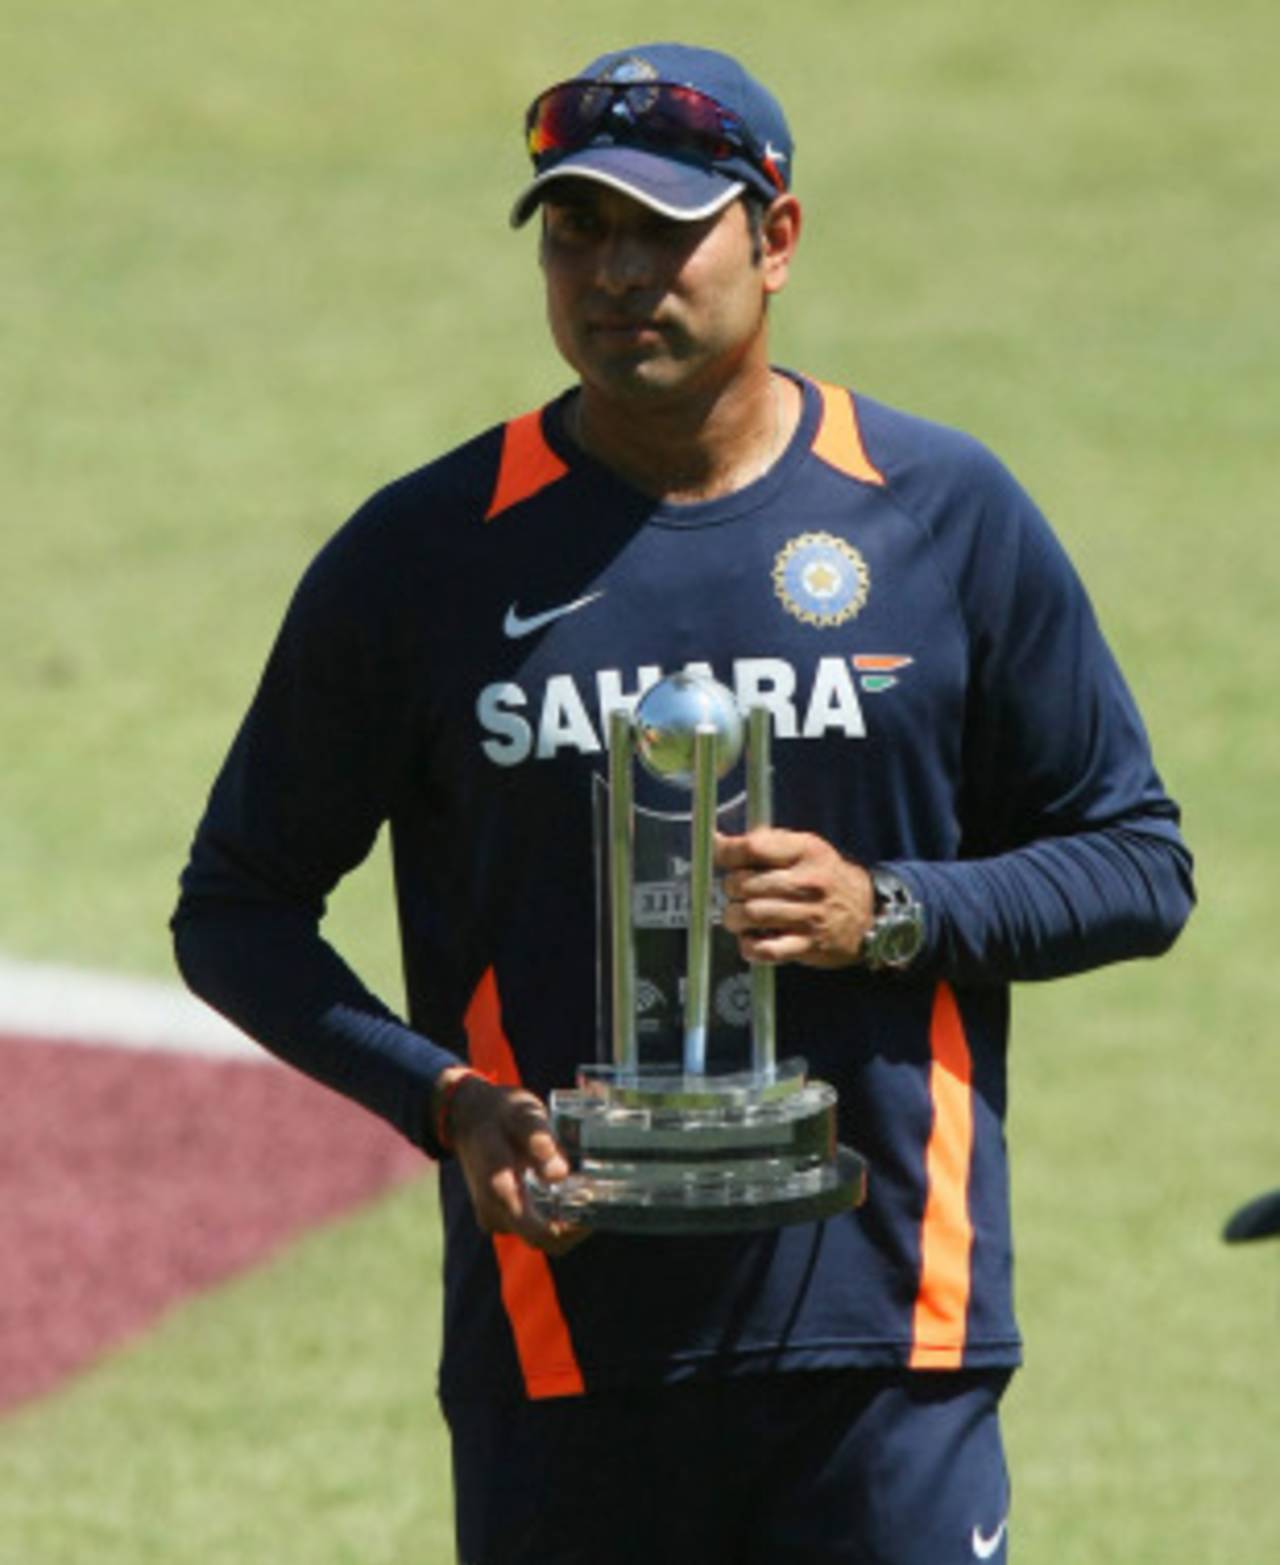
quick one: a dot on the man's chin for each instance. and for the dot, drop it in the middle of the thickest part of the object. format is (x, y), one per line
(647, 377)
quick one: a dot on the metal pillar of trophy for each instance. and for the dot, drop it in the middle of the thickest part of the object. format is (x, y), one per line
(686, 1132)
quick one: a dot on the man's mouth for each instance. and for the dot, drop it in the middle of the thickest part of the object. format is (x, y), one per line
(625, 329)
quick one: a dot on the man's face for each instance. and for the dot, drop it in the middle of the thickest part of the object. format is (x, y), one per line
(646, 307)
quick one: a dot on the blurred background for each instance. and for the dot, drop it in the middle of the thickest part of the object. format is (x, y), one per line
(255, 261)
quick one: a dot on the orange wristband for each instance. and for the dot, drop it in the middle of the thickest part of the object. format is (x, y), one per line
(444, 1112)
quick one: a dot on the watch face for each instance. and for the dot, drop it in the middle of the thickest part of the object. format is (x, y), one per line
(901, 941)
(896, 939)
(897, 934)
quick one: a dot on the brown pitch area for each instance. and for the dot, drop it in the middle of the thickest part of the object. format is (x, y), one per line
(131, 1179)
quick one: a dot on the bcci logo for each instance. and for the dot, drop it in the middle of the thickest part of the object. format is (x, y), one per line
(820, 579)
(635, 68)
(634, 73)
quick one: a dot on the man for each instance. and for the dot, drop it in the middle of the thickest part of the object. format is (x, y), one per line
(956, 757)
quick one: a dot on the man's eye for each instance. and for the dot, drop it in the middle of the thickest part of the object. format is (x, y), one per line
(670, 233)
(571, 222)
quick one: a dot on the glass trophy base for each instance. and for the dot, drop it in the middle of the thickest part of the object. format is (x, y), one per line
(657, 1152)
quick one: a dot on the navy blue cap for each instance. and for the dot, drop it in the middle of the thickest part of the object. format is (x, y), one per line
(680, 185)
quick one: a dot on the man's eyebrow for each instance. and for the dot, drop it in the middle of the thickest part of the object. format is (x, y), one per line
(571, 191)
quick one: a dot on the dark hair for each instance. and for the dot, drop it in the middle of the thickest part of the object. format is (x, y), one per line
(756, 206)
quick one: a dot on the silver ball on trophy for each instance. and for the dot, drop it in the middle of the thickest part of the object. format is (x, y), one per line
(667, 719)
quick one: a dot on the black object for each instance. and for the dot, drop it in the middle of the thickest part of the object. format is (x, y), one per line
(1259, 1219)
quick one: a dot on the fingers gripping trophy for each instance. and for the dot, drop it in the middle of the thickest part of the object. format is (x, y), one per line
(689, 1123)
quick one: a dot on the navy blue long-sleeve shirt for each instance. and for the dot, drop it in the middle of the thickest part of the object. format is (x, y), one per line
(942, 701)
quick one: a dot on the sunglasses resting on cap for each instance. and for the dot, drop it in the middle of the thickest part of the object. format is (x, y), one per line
(682, 130)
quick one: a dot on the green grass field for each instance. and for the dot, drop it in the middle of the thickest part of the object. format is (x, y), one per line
(255, 261)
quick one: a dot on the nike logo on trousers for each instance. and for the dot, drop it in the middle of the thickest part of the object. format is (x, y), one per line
(985, 1548)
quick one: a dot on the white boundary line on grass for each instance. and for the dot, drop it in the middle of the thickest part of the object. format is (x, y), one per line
(62, 1004)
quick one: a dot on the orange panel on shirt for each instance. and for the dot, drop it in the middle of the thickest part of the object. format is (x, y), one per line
(527, 465)
(946, 1236)
(543, 1345)
(839, 440)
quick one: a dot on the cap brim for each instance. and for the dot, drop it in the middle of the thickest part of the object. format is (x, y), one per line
(676, 190)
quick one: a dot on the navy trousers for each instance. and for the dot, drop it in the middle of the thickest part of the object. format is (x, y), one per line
(847, 1467)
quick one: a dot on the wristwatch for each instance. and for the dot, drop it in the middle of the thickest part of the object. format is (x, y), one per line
(897, 931)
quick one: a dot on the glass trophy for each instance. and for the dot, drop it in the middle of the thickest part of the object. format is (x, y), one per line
(688, 1122)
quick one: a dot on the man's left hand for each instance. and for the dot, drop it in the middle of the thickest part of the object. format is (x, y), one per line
(793, 898)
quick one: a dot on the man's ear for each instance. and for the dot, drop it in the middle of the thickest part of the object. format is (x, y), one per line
(780, 234)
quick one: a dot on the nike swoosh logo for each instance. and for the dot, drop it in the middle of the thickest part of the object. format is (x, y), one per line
(516, 624)
(985, 1548)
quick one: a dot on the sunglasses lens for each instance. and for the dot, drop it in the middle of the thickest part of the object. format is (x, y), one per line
(561, 119)
(690, 119)
(659, 114)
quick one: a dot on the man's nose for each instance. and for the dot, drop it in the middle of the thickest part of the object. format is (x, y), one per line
(625, 262)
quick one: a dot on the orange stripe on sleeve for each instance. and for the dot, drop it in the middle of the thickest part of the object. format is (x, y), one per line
(527, 465)
(839, 440)
(946, 1238)
(543, 1345)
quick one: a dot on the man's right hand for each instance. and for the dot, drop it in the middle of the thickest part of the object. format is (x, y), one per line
(498, 1134)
